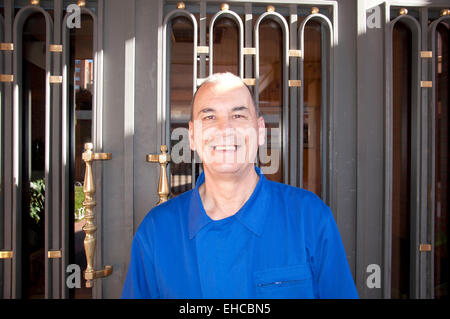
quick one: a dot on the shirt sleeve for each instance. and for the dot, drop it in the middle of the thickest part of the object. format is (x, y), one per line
(332, 275)
(140, 282)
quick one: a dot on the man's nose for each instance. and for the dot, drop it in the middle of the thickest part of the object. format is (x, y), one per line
(224, 123)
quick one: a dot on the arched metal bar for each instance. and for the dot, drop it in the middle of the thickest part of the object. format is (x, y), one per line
(234, 16)
(164, 108)
(165, 94)
(275, 16)
(65, 73)
(432, 28)
(19, 22)
(2, 154)
(327, 101)
(414, 27)
(67, 114)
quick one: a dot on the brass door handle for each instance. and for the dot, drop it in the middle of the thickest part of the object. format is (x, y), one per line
(163, 159)
(89, 203)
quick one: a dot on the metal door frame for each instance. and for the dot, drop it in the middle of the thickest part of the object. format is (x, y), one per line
(422, 201)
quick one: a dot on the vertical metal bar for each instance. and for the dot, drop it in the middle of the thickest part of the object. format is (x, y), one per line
(2, 154)
(248, 43)
(211, 44)
(65, 156)
(331, 173)
(293, 143)
(128, 120)
(423, 116)
(163, 109)
(202, 75)
(8, 160)
(387, 251)
(161, 76)
(202, 38)
(285, 86)
(416, 135)
(48, 151)
(195, 74)
(168, 99)
(432, 158)
(17, 163)
(301, 107)
(241, 47)
(248, 40)
(97, 133)
(55, 155)
(256, 65)
(162, 106)
(325, 156)
(194, 54)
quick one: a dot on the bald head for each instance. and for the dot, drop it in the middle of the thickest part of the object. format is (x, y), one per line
(223, 82)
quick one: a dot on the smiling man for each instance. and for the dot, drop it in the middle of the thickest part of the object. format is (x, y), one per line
(237, 234)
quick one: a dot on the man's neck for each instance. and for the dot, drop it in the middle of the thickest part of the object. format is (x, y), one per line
(223, 196)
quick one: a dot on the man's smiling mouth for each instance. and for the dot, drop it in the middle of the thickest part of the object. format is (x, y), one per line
(226, 148)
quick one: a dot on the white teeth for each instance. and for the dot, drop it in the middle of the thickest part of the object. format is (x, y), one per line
(225, 148)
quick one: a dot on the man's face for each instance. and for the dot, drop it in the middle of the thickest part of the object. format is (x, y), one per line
(225, 129)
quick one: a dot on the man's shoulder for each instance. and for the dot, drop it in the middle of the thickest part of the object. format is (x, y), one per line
(168, 210)
(300, 200)
(295, 194)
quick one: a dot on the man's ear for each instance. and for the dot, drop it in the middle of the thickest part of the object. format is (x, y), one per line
(261, 131)
(191, 136)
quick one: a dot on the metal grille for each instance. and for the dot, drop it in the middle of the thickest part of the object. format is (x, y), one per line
(248, 18)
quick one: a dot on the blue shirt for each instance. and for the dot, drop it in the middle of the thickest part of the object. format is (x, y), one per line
(283, 243)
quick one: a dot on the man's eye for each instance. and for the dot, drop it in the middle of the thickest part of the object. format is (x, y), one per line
(238, 116)
(209, 117)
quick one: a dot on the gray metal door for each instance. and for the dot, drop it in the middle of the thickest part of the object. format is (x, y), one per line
(38, 167)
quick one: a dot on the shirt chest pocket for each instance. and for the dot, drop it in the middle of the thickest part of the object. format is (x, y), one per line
(290, 282)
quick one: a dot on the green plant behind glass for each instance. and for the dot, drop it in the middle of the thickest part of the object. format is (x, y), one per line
(79, 208)
(37, 203)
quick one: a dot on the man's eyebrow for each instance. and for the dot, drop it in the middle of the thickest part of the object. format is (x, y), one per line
(206, 110)
(239, 108)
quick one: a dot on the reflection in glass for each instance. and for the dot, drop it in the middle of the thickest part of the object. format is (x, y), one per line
(81, 84)
(271, 98)
(401, 179)
(33, 157)
(181, 75)
(441, 220)
(225, 46)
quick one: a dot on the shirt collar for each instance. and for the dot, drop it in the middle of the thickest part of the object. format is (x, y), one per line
(251, 215)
